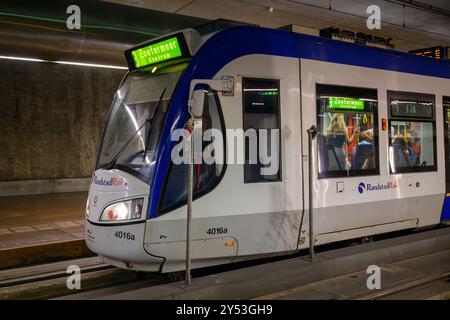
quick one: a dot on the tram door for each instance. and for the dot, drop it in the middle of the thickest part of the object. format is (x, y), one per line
(446, 104)
(446, 208)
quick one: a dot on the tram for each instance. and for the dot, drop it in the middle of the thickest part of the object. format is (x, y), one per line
(380, 159)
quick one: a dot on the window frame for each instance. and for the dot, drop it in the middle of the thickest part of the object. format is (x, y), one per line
(419, 97)
(210, 188)
(357, 90)
(278, 85)
(446, 118)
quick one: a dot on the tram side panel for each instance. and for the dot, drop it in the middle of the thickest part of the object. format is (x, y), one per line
(371, 203)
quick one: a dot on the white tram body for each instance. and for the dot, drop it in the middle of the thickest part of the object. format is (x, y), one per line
(237, 215)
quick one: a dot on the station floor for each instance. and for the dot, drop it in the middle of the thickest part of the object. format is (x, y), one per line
(38, 219)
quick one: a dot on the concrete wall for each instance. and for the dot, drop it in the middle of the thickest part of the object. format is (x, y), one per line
(51, 118)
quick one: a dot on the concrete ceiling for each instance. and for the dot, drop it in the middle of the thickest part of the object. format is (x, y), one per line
(37, 29)
(427, 22)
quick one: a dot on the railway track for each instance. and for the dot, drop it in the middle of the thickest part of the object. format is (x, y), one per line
(422, 277)
(49, 280)
(21, 278)
(394, 291)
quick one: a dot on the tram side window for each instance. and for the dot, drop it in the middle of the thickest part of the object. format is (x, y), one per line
(412, 132)
(261, 103)
(206, 176)
(348, 127)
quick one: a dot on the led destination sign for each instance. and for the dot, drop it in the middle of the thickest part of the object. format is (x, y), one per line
(345, 103)
(155, 52)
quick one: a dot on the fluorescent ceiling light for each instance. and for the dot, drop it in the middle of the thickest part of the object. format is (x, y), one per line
(65, 62)
(89, 65)
(20, 58)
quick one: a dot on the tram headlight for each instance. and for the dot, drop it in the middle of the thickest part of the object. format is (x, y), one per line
(125, 210)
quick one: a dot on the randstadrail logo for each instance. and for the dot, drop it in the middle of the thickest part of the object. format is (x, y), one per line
(376, 187)
(109, 182)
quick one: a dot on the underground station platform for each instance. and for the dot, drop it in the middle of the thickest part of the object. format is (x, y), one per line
(39, 228)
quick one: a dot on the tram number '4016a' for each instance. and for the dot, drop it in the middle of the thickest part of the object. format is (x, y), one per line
(218, 230)
(124, 235)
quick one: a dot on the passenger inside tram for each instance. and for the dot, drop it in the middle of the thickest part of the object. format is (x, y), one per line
(364, 154)
(347, 142)
(338, 136)
(414, 147)
(407, 147)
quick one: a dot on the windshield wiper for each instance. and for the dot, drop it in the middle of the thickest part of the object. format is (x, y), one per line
(112, 163)
(150, 122)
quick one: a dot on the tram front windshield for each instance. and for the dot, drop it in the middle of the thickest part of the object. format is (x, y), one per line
(135, 122)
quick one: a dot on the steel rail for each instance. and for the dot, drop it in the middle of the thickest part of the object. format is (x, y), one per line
(51, 275)
(403, 287)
